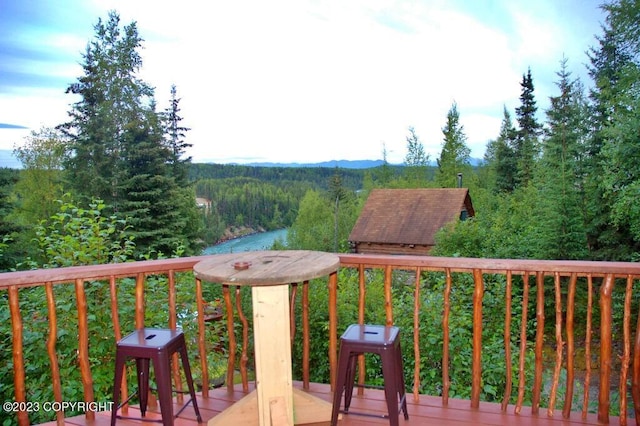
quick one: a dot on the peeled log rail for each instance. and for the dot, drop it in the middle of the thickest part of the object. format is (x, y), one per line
(605, 348)
(476, 362)
(559, 346)
(571, 295)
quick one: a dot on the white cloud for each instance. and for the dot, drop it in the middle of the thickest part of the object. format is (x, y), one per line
(320, 80)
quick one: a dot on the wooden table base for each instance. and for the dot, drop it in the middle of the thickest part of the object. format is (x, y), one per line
(307, 409)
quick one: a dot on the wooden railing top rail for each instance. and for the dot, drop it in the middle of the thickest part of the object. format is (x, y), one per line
(516, 266)
(95, 272)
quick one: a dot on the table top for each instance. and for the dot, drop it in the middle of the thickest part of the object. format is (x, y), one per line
(265, 268)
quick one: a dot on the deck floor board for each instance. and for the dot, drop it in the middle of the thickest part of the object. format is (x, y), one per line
(428, 411)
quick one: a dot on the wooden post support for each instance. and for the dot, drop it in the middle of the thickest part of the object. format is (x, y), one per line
(274, 380)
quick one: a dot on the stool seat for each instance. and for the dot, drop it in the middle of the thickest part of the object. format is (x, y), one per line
(156, 345)
(375, 339)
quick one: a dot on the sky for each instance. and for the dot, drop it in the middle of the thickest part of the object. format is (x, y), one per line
(304, 80)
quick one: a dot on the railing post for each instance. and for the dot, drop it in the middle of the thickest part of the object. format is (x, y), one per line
(446, 381)
(476, 366)
(635, 373)
(51, 349)
(83, 346)
(18, 357)
(571, 297)
(537, 379)
(202, 349)
(605, 348)
(417, 305)
(507, 343)
(333, 329)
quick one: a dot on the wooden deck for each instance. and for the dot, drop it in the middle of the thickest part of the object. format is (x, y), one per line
(428, 411)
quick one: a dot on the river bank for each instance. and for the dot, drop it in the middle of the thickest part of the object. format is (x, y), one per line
(248, 242)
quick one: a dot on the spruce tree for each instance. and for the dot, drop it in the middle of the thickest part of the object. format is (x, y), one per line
(175, 135)
(561, 220)
(502, 156)
(416, 160)
(112, 100)
(612, 163)
(526, 147)
(455, 154)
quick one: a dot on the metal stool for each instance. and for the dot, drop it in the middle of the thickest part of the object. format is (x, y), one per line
(157, 345)
(376, 339)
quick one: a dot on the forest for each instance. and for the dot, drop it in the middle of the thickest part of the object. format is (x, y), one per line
(115, 183)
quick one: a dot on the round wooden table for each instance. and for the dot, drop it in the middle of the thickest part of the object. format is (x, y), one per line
(269, 274)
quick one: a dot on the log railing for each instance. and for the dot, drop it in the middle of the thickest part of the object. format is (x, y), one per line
(618, 356)
(566, 277)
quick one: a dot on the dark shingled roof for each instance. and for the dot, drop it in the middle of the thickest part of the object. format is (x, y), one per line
(409, 216)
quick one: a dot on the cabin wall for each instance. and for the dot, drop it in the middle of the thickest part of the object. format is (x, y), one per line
(381, 248)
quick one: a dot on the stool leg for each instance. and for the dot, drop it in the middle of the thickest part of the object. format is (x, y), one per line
(343, 365)
(117, 382)
(351, 378)
(187, 373)
(162, 369)
(142, 369)
(389, 371)
(401, 386)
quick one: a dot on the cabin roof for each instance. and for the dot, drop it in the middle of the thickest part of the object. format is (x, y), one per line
(409, 216)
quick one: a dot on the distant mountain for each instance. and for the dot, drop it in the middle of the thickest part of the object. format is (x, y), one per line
(343, 164)
(348, 164)
(7, 159)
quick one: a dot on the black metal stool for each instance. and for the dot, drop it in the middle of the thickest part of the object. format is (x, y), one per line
(376, 339)
(157, 345)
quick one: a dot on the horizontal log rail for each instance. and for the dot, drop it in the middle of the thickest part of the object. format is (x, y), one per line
(567, 278)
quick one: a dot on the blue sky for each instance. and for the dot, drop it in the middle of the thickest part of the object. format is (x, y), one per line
(304, 80)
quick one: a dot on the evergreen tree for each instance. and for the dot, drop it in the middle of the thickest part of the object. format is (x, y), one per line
(611, 167)
(416, 160)
(454, 157)
(501, 157)
(526, 149)
(117, 144)
(384, 174)
(561, 222)
(337, 193)
(113, 98)
(175, 139)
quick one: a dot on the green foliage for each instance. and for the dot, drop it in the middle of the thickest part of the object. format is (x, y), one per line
(454, 157)
(10, 252)
(416, 161)
(322, 224)
(83, 236)
(40, 185)
(312, 229)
